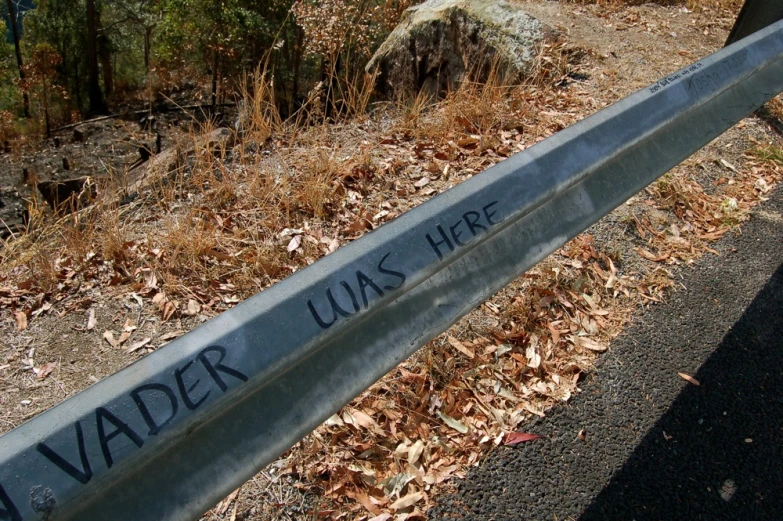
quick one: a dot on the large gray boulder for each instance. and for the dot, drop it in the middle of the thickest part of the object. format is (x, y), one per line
(439, 42)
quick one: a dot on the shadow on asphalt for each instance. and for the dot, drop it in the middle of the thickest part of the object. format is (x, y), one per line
(717, 453)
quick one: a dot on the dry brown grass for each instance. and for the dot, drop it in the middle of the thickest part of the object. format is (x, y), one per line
(733, 5)
(217, 217)
(481, 108)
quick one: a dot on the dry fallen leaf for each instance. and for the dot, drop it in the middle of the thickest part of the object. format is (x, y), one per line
(533, 357)
(109, 337)
(91, 319)
(459, 346)
(295, 243)
(651, 256)
(432, 167)
(364, 500)
(468, 142)
(138, 345)
(194, 308)
(380, 215)
(362, 419)
(128, 327)
(21, 320)
(512, 438)
(222, 507)
(150, 279)
(168, 310)
(44, 370)
(171, 335)
(454, 424)
(592, 345)
(360, 224)
(218, 255)
(689, 379)
(729, 166)
(407, 501)
(421, 183)
(415, 452)
(46, 306)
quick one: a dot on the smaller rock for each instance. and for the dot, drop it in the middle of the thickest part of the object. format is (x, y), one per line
(147, 123)
(144, 152)
(728, 489)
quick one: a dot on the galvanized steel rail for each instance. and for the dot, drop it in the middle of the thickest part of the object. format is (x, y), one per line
(169, 436)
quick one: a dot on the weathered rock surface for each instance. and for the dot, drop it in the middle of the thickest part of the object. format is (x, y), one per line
(216, 142)
(69, 194)
(440, 41)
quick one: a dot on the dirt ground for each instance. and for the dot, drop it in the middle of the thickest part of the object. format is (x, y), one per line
(104, 150)
(625, 49)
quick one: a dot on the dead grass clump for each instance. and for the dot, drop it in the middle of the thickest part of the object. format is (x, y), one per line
(258, 116)
(733, 5)
(314, 183)
(187, 241)
(702, 212)
(480, 109)
(356, 95)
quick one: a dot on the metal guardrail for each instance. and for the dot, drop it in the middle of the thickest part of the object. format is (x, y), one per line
(172, 434)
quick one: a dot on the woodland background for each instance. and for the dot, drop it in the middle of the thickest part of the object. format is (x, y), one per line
(77, 58)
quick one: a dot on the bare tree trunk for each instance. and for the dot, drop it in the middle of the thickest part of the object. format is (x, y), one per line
(108, 75)
(147, 42)
(97, 103)
(15, 30)
(104, 54)
(46, 109)
(214, 78)
(77, 87)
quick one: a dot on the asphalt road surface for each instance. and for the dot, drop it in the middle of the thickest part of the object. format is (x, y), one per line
(657, 447)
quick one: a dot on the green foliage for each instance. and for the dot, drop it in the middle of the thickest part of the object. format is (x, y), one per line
(769, 153)
(61, 24)
(149, 45)
(10, 97)
(237, 29)
(41, 73)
